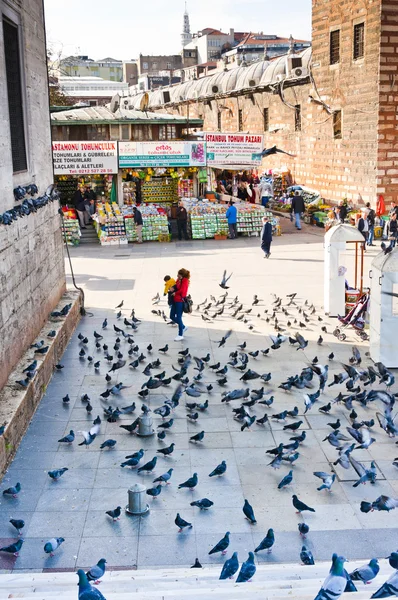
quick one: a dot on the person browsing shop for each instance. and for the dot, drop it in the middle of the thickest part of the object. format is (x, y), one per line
(138, 223)
(182, 220)
(80, 207)
(232, 217)
(177, 305)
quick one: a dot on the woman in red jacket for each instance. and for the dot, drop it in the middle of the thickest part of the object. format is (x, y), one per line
(177, 306)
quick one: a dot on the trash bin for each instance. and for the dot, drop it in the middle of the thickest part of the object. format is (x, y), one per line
(137, 504)
(145, 428)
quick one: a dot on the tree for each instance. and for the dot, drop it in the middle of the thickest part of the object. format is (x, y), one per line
(56, 95)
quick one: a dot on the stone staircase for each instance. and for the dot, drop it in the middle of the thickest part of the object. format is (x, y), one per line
(89, 235)
(281, 581)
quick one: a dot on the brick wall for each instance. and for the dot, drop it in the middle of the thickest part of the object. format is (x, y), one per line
(387, 155)
(32, 276)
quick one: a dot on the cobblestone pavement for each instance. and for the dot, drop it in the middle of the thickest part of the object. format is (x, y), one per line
(74, 507)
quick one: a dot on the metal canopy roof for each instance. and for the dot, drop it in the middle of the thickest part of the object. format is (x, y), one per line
(102, 115)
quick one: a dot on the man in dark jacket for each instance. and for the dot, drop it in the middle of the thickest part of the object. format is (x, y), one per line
(371, 224)
(80, 207)
(182, 219)
(298, 207)
(138, 223)
(266, 237)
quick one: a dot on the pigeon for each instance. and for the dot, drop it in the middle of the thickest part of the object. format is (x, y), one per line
(165, 478)
(219, 470)
(86, 591)
(335, 583)
(367, 572)
(248, 512)
(393, 560)
(267, 542)
(164, 349)
(190, 483)
(362, 437)
(57, 473)
(224, 338)
(149, 466)
(230, 567)
(225, 280)
(88, 438)
(108, 444)
(303, 529)
(196, 564)
(247, 569)
(132, 427)
(203, 504)
(115, 514)
(167, 451)
(363, 473)
(167, 424)
(306, 556)
(222, 545)
(287, 480)
(300, 506)
(18, 524)
(389, 588)
(51, 546)
(13, 548)
(181, 524)
(327, 479)
(381, 503)
(196, 438)
(12, 491)
(155, 491)
(293, 426)
(326, 408)
(97, 571)
(68, 439)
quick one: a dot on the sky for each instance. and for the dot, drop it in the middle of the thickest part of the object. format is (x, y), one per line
(123, 29)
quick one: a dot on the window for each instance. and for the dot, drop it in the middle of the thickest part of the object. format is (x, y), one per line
(337, 125)
(359, 41)
(240, 119)
(167, 132)
(297, 117)
(154, 66)
(335, 47)
(114, 132)
(125, 133)
(219, 120)
(96, 133)
(14, 92)
(145, 66)
(169, 66)
(266, 119)
(142, 133)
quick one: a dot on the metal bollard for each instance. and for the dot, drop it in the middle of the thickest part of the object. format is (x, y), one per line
(137, 503)
(145, 428)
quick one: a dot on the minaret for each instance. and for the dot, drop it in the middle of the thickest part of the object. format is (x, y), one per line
(186, 35)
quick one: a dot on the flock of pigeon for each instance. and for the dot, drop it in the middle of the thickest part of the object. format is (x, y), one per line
(363, 387)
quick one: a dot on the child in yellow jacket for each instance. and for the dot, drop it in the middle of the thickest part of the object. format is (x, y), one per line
(169, 283)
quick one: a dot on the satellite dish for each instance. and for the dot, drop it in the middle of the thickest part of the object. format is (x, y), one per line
(144, 103)
(115, 103)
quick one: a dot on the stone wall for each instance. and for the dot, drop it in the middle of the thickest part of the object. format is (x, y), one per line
(32, 276)
(387, 174)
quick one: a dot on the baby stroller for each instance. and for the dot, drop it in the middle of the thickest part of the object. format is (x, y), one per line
(355, 319)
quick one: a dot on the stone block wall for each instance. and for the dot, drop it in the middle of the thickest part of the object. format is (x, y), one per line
(32, 276)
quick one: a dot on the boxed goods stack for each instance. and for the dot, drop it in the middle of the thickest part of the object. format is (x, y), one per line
(110, 224)
(211, 225)
(222, 223)
(250, 220)
(129, 226)
(154, 226)
(160, 189)
(70, 227)
(185, 188)
(129, 189)
(198, 227)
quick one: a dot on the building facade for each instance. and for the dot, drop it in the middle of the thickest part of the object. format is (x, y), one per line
(93, 91)
(32, 276)
(83, 66)
(335, 110)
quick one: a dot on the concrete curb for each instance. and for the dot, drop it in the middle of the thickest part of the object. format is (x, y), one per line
(18, 405)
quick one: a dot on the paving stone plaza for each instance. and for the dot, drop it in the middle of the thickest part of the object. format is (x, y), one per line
(74, 507)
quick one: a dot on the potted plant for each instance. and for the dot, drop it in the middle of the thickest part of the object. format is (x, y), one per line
(221, 234)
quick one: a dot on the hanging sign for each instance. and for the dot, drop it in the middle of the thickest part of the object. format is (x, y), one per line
(240, 149)
(84, 158)
(162, 154)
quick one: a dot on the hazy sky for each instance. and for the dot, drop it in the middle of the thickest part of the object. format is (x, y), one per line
(124, 28)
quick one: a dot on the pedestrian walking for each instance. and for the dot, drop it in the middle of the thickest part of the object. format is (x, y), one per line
(182, 220)
(393, 230)
(177, 305)
(232, 218)
(138, 223)
(298, 207)
(80, 207)
(371, 224)
(341, 212)
(363, 227)
(266, 237)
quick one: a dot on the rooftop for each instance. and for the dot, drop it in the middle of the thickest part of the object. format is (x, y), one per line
(103, 114)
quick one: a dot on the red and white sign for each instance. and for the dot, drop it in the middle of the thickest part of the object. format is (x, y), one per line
(85, 158)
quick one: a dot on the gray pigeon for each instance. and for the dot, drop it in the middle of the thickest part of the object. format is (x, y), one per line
(247, 569)
(97, 571)
(51, 546)
(230, 567)
(367, 572)
(327, 479)
(190, 483)
(335, 583)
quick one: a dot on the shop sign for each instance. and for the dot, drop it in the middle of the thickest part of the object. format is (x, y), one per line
(84, 158)
(162, 154)
(225, 149)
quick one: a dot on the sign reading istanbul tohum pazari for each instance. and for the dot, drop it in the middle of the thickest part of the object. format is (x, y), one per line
(85, 158)
(227, 149)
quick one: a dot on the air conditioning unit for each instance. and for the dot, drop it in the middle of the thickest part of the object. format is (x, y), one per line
(124, 102)
(252, 82)
(214, 89)
(299, 72)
